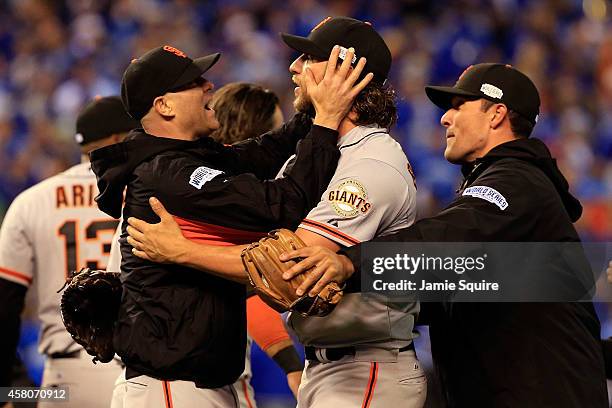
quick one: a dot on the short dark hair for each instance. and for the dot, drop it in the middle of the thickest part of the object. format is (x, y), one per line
(376, 104)
(243, 110)
(520, 126)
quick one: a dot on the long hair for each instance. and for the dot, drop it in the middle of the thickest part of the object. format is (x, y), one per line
(376, 104)
(243, 110)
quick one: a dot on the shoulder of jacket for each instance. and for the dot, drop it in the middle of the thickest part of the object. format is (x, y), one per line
(518, 173)
(166, 158)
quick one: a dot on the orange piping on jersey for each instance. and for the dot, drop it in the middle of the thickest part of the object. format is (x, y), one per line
(330, 230)
(167, 394)
(27, 280)
(212, 234)
(264, 324)
(246, 393)
(369, 391)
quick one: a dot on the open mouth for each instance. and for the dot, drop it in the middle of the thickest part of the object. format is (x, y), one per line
(297, 85)
(208, 107)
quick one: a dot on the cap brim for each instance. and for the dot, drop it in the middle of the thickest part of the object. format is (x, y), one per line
(206, 63)
(196, 69)
(442, 96)
(304, 45)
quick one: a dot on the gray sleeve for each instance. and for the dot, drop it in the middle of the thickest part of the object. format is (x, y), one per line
(16, 248)
(361, 200)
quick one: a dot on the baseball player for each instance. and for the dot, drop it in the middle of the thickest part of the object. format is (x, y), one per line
(50, 230)
(361, 355)
(258, 111)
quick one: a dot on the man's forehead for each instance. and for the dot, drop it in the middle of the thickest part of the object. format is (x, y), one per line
(462, 99)
(458, 100)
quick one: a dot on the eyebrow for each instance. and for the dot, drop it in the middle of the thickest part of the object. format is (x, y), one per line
(308, 57)
(457, 101)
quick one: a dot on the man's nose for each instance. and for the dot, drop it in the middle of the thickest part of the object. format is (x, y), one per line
(296, 66)
(445, 120)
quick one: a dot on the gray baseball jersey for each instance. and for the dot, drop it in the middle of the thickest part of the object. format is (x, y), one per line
(372, 193)
(50, 230)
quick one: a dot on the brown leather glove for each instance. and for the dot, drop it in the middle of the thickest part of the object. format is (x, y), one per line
(265, 271)
(89, 306)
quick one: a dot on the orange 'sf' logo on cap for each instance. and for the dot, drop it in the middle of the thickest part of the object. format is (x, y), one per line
(175, 51)
(325, 20)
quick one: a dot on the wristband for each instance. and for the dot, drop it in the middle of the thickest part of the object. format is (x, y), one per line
(289, 360)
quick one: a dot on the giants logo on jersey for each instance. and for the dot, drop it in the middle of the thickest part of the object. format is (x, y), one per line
(349, 199)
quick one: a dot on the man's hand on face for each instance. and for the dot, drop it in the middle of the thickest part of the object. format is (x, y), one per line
(333, 96)
(328, 267)
(162, 242)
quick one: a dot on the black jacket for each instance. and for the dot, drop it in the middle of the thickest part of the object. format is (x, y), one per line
(177, 323)
(511, 354)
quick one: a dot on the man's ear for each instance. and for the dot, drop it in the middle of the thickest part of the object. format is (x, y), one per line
(500, 113)
(352, 116)
(164, 106)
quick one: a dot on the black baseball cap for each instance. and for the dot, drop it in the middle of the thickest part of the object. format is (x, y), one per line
(101, 118)
(345, 32)
(160, 70)
(500, 83)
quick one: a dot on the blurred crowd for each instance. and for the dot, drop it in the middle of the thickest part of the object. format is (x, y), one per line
(56, 55)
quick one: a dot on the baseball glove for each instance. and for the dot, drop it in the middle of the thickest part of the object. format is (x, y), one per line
(265, 271)
(89, 307)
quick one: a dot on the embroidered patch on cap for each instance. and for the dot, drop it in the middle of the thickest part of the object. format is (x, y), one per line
(201, 175)
(487, 193)
(342, 55)
(491, 91)
(349, 199)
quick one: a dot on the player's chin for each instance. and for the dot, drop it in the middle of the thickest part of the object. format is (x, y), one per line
(303, 106)
(451, 155)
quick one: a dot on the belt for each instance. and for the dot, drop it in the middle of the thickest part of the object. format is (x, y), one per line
(72, 354)
(325, 355)
(132, 373)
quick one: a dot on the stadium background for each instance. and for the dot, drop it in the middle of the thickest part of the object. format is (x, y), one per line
(57, 55)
